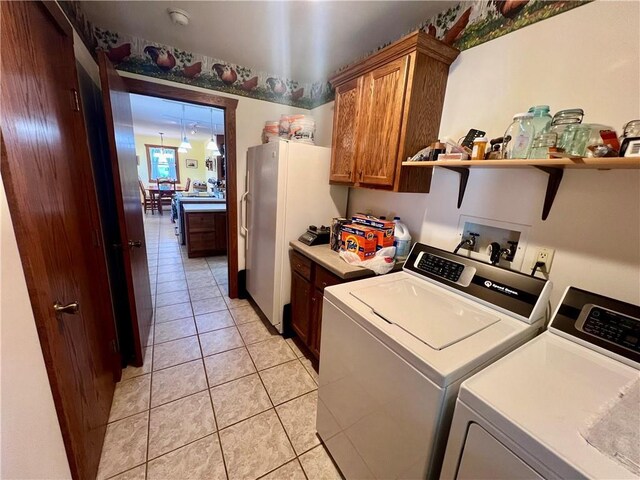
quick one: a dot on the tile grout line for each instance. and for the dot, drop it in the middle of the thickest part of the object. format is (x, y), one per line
(295, 456)
(206, 376)
(146, 472)
(155, 296)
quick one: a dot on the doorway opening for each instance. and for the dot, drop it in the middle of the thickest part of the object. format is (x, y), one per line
(198, 117)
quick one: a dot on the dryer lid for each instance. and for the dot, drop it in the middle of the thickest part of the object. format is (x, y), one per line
(432, 315)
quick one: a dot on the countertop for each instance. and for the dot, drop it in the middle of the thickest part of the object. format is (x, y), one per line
(323, 255)
(187, 200)
(205, 207)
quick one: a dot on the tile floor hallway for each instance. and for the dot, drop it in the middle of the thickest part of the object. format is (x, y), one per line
(220, 395)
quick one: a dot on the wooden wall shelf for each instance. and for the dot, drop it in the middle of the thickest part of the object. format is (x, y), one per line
(554, 167)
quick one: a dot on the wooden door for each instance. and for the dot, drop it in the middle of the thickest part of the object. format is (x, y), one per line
(382, 105)
(345, 132)
(300, 295)
(45, 168)
(117, 110)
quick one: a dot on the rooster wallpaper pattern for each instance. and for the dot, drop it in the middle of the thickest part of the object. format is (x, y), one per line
(144, 57)
(465, 25)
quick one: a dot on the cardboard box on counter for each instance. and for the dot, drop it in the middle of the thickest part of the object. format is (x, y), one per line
(384, 229)
(359, 239)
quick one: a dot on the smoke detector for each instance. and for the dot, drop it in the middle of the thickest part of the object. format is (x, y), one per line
(178, 16)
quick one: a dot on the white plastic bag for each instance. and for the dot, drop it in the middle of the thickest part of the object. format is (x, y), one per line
(380, 264)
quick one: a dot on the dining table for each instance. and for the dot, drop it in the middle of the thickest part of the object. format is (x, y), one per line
(157, 192)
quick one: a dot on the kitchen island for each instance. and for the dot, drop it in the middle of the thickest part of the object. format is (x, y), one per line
(205, 227)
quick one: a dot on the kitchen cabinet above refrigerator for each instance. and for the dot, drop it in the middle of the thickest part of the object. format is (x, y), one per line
(388, 107)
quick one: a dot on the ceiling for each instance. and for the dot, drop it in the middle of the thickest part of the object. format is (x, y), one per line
(153, 115)
(302, 40)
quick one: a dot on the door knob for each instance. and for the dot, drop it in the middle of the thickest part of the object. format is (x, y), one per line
(135, 243)
(70, 308)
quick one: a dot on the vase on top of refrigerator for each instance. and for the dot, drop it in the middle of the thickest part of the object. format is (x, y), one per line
(287, 189)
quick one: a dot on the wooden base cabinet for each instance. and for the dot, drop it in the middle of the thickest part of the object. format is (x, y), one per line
(206, 233)
(387, 108)
(308, 281)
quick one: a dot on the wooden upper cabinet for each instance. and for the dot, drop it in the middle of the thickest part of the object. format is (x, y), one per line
(387, 108)
(343, 154)
(382, 103)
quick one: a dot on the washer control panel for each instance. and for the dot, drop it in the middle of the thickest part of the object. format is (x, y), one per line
(445, 268)
(441, 266)
(609, 325)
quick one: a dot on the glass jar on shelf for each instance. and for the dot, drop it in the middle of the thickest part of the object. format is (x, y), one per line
(575, 139)
(519, 136)
(563, 120)
(541, 118)
(543, 144)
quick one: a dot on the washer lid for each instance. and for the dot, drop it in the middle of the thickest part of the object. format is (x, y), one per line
(433, 316)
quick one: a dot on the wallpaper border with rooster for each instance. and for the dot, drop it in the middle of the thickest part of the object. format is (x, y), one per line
(474, 22)
(465, 25)
(137, 55)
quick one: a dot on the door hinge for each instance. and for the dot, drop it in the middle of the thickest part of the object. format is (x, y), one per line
(76, 100)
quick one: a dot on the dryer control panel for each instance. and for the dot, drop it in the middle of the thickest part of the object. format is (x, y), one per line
(611, 326)
(606, 323)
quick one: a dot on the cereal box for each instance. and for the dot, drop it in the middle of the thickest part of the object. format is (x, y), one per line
(360, 240)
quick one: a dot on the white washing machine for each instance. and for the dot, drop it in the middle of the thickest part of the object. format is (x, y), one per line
(565, 405)
(395, 348)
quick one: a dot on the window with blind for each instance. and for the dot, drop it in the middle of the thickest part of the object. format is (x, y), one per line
(162, 162)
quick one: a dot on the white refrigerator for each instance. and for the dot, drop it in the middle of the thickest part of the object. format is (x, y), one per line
(287, 189)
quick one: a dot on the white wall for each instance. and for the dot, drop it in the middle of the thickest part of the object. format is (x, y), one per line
(588, 57)
(323, 116)
(30, 439)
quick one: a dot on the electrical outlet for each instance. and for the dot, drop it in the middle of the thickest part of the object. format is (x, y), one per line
(544, 255)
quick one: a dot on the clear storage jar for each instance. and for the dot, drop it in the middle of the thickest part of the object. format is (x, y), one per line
(519, 136)
(561, 121)
(574, 139)
(541, 118)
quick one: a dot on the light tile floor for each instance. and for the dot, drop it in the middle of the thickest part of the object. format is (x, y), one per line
(221, 395)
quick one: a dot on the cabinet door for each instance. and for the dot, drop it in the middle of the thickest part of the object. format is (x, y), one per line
(345, 132)
(383, 93)
(220, 223)
(315, 326)
(300, 312)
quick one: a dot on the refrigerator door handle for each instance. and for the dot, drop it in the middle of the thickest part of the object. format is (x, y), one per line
(243, 214)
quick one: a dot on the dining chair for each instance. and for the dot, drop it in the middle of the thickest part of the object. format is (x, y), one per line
(187, 185)
(166, 189)
(148, 201)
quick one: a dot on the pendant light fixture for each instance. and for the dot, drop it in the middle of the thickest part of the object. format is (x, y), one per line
(185, 142)
(182, 149)
(162, 155)
(213, 145)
